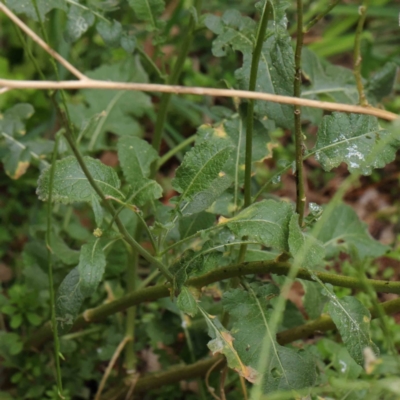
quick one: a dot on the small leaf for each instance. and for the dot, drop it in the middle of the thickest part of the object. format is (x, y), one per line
(97, 210)
(61, 250)
(185, 266)
(250, 312)
(306, 250)
(92, 262)
(313, 300)
(71, 185)
(78, 22)
(12, 121)
(382, 82)
(110, 32)
(222, 342)
(353, 322)
(69, 300)
(128, 42)
(186, 302)
(27, 7)
(148, 11)
(343, 230)
(136, 157)
(266, 222)
(353, 139)
(200, 167)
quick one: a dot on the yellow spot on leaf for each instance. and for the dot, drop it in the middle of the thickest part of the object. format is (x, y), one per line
(97, 232)
(20, 170)
(221, 174)
(220, 131)
(222, 220)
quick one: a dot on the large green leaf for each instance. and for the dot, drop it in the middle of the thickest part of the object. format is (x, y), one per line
(44, 6)
(306, 250)
(199, 170)
(356, 140)
(250, 311)
(118, 109)
(233, 131)
(192, 224)
(92, 263)
(266, 222)
(353, 322)
(148, 11)
(69, 300)
(136, 157)
(343, 231)
(222, 342)
(71, 185)
(276, 67)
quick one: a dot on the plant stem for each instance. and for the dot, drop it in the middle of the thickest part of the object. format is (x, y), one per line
(131, 277)
(121, 227)
(172, 80)
(175, 150)
(50, 271)
(249, 268)
(300, 190)
(357, 55)
(262, 27)
(321, 15)
(150, 63)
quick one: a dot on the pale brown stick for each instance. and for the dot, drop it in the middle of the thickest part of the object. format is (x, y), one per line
(200, 91)
(42, 43)
(110, 366)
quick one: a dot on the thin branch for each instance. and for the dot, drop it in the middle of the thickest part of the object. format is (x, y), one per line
(357, 56)
(42, 43)
(298, 134)
(159, 291)
(198, 91)
(110, 366)
(321, 15)
(175, 150)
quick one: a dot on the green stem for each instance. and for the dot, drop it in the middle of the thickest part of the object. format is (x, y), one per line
(321, 15)
(175, 150)
(300, 190)
(150, 63)
(121, 227)
(262, 27)
(50, 270)
(173, 80)
(249, 268)
(131, 277)
(357, 55)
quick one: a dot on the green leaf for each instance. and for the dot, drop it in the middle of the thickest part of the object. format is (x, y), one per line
(44, 6)
(69, 300)
(326, 82)
(222, 342)
(190, 225)
(276, 67)
(92, 263)
(78, 22)
(97, 210)
(136, 157)
(12, 121)
(148, 11)
(61, 250)
(119, 109)
(182, 269)
(343, 230)
(186, 302)
(250, 311)
(71, 185)
(10, 344)
(353, 322)
(266, 222)
(313, 300)
(128, 42)
(354, 139)
(201, 166)
(307, 250)
(382, 82)
(110, 32)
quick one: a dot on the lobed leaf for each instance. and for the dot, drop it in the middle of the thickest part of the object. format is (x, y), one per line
(343, 231)
(266, 222)
(250, 312)
(136, 157)
(148, 11)
(353, 322)
(79, 21)
(71, 185)
(110, 32)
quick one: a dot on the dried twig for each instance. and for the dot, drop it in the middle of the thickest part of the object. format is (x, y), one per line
(42, 43)
(199, 91)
